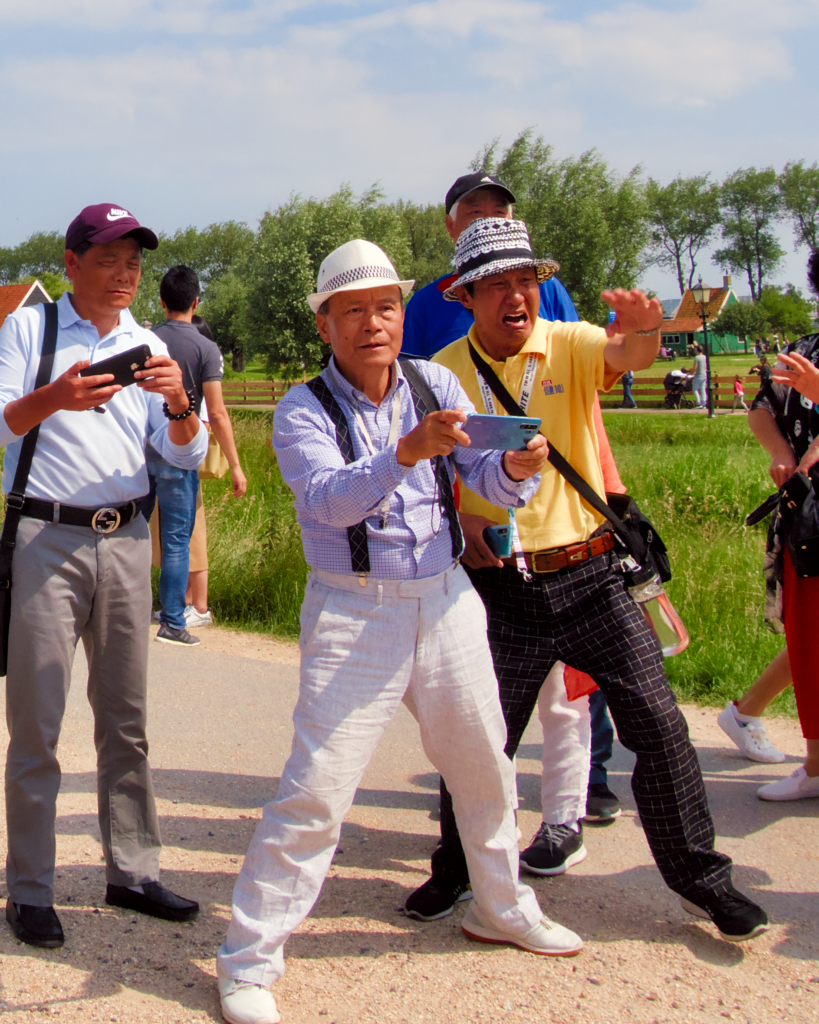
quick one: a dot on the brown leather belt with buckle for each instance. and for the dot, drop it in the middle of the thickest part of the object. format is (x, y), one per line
(101, 520)
(554, 559)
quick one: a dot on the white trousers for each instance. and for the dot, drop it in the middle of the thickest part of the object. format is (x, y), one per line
(566, 726)
(363, 648)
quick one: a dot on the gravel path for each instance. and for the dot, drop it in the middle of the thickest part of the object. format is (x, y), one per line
(220, 732)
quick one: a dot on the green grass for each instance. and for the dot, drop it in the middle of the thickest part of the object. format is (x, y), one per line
(695, 478)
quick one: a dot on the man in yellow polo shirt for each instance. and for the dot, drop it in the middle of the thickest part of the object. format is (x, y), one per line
(563, 597)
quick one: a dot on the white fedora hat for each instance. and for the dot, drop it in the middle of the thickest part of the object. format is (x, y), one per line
(352, 267)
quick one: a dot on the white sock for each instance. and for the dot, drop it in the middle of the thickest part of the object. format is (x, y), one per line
(744, 718)
(137, 888)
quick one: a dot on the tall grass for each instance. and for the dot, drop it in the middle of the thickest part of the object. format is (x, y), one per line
(695, 478)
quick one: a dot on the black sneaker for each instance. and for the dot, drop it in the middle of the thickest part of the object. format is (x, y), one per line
(180, 637)
(36, 926)
(436, 898)
(554, 850)
(736, 917)
(601, 804)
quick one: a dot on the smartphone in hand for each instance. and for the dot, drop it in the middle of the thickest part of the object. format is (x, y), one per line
(123, 365)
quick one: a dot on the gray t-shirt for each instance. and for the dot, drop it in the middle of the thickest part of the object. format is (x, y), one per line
(199, 357)
(699, 364)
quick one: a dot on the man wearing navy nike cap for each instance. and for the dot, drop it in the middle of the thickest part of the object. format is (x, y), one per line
(81, 565)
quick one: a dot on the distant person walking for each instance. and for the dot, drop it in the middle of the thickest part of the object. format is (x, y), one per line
(628, 400)
(698, 381)
(739, 394)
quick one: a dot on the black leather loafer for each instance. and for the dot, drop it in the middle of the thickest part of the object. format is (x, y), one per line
(156, 901)
(37, 926)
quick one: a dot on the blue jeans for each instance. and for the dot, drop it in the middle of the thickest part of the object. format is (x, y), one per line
(628, 400)
(175, 490)
(602, 737)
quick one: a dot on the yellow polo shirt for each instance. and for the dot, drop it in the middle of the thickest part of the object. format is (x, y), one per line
(571, 368)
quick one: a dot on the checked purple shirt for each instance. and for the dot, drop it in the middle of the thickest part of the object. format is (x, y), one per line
(330, 496)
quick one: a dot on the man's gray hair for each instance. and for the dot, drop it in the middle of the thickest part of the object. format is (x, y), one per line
(453, 213)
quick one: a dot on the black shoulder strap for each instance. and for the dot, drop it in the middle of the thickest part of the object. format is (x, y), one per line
(562, 465)
(16, 496)
(425, 402)
(356, 535)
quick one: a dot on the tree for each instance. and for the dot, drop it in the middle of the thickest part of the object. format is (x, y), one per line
(431, 248)
(751, 204)
(225, 308)
(744, 319)
(579, 211)
(684, 216)
(787, 311)
(799, 188)
(41, 253)
(292, 243)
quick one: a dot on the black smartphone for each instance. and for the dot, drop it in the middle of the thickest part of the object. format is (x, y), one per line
(123, 366)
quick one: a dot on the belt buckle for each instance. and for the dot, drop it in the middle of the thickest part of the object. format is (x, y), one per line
(105, 520)
(545, 554)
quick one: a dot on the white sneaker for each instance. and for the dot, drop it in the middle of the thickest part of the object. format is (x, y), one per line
(246, 1003)
(545, 939)
(798, 786)
(157, 616)
(195, 618)
(750, 737)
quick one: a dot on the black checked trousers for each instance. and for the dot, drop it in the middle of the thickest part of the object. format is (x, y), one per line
(584, 617)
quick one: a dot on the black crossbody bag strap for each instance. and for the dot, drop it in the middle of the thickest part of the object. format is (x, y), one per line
(16, 496)
(562, 465)
(425, 402)
(356, 535)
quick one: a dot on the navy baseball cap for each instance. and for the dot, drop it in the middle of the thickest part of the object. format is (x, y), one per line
(106, 222)
(469, 183)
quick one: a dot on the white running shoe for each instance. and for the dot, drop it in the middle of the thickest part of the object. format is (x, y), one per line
(545, 939)
(797, 786)
(751, 737)
(196, 619)
(246, 1003)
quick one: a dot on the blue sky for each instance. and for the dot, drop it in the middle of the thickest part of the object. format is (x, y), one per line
(194, 111)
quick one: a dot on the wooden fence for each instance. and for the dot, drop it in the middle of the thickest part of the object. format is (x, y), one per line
(648, 392)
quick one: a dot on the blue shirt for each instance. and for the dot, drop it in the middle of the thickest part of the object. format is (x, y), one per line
(431, 323)
(330, 496)
(84, 458)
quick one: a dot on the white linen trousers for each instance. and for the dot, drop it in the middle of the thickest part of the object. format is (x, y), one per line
(362, 649)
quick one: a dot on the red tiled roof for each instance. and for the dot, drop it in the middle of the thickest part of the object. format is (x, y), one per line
(11, 295)
(688, 317)
(682, 325)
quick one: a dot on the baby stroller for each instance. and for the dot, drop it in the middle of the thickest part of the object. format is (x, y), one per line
(676, 384)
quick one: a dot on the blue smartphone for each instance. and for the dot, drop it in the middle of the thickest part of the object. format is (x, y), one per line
(499, 540)
(501, 433)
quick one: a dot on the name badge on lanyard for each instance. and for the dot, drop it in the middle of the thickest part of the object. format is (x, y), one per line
(491, 410)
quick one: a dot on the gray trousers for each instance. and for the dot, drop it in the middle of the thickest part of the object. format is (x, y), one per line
(70, 583)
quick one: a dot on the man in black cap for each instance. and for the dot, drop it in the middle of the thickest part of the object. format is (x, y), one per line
(430, 322)
(81, 565)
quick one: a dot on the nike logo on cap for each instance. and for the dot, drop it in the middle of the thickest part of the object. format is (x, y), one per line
(115, 214)
(489, 180)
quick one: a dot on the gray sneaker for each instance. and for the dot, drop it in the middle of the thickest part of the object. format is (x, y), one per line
(554, 850)
(179, 637)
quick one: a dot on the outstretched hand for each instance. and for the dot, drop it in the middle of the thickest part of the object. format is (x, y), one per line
(634, 311)
(436, 434)
(803, 376)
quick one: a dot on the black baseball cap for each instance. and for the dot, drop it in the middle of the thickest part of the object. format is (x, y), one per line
(469, 183)
(106, 222)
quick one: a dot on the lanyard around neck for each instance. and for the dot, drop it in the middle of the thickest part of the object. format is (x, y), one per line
(525, 390)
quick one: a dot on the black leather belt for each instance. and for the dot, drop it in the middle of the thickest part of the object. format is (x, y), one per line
(102, 520)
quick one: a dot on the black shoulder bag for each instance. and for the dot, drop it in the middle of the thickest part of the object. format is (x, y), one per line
(633, 529)
(16, 496)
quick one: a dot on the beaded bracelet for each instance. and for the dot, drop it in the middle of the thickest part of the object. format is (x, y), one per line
(181, 415)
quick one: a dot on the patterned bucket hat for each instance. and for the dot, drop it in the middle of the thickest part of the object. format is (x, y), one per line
(493, 245)
(353, 266)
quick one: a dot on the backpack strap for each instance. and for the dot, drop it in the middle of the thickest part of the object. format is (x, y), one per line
(356, 535)
(425, 402)
(16, 496)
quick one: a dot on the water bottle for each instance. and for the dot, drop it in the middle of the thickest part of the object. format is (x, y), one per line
(661, 615)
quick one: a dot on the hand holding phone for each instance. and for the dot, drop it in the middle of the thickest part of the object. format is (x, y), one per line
(124, 366)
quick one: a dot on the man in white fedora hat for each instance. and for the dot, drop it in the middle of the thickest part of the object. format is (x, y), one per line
(370, 449)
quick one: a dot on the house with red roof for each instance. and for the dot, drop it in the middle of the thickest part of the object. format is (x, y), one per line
(16, 296)
(685, 324)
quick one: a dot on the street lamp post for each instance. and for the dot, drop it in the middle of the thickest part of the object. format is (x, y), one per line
(701, 296)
